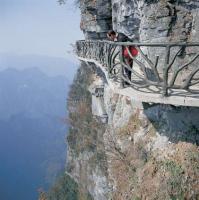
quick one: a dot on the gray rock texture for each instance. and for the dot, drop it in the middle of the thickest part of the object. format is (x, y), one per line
(143, 20)
(96, 18)
(126, 17)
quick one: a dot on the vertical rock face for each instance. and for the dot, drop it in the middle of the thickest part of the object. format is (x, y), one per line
(163, 20)
(144, 20)
(152, 150)
(96, 18)
(86, 151)
(145, 151)
(126, 17)
(168, 20)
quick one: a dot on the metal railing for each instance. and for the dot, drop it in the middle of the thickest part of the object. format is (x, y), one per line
(164, 68)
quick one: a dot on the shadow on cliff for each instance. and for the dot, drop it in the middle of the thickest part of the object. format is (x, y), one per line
(176, 123)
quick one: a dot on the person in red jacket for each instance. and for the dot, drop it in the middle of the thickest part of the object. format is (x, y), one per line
(117, 37)
(127, 51)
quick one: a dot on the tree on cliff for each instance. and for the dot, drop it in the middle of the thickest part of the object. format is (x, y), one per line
(61, 2)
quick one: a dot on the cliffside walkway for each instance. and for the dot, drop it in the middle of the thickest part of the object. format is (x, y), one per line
(161, 72)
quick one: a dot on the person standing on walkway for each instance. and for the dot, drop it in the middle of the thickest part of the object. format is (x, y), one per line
(127, 51)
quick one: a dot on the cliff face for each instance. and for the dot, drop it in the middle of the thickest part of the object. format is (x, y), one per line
(144, 151)
(96, 18)
(86, 154)
(158, 20)
(152, 150)
(144, 20)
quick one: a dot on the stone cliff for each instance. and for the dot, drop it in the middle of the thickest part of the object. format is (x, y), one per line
(132, 150)
(143, 20)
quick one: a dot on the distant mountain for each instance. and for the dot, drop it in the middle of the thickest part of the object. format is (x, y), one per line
(31, 92)
(52, 66)
(32, 132)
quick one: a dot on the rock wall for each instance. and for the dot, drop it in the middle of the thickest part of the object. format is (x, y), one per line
(87, 162)
(96, 18)
(143, 20)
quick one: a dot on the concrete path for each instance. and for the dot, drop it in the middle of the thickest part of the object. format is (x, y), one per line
(178, 97)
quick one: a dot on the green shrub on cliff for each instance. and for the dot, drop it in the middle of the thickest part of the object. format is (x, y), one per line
(84, 128)
(65, 189)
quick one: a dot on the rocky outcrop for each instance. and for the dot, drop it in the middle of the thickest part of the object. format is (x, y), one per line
(96, 18)
(86, 151)
(144, 20)
(152, 150)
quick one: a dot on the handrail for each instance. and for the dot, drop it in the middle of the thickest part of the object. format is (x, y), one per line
(159, 67)
(144, 43)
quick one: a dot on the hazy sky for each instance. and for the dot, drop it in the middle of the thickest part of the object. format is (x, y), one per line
(41, 27)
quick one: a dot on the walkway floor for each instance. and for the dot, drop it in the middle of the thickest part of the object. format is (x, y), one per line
(178, 97)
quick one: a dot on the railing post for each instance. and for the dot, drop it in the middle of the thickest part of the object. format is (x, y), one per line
(120, 74)
(165, 71)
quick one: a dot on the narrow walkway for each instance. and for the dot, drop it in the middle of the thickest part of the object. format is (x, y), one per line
(151, 90)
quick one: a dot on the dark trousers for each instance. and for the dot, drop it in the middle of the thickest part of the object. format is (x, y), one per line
(126, 71)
